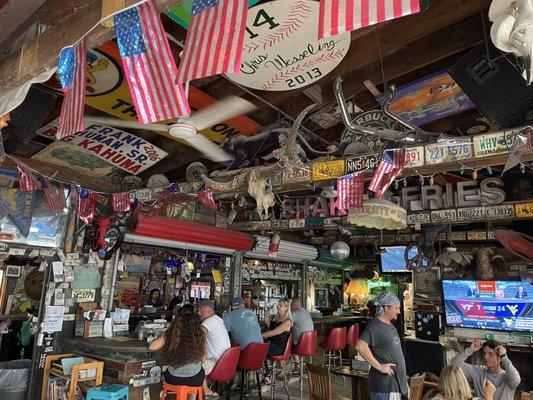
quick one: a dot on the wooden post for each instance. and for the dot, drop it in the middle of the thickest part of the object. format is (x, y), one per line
(110, 7)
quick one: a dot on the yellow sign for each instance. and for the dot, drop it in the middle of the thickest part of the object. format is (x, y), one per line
(325, 170)
(524, 210)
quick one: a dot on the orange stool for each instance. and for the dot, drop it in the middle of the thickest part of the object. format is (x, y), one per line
(181, 391)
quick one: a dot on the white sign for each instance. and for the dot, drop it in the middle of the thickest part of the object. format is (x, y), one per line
(414, 156)
(494, 143)
(503, 211)
(447, 150)
(281, 48)
(53, 319)
(119, 148)
(448, 215)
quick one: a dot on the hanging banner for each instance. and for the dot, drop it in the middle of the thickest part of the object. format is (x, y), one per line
(116, 147)
(281, 50)
(429, 99)
(108, 91)
(19, 207)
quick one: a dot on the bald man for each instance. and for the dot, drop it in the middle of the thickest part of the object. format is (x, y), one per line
(301, 320)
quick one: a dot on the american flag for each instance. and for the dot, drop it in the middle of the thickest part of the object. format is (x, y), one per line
(350, 189)
(205, 195)
(339, 16)
(172, 194)
(149, 65)
(121, 202)
(390, 165)
(72, 70)
(55, 196)
(27, 180)
(86, 205)
(214, 40)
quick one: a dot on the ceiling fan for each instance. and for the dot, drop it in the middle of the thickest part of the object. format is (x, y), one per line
(188, 129)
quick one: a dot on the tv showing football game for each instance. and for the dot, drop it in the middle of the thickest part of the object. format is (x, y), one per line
(392, 259)
(498, 305)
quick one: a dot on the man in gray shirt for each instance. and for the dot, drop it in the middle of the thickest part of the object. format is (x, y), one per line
(301, 320)
(380, 346)
(498, 369)
(242, 324)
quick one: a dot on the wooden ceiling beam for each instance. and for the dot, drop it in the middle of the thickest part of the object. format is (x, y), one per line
(65, 174)
(41, 53)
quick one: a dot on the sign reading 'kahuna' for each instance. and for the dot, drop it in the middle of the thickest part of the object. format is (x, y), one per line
(119, 148)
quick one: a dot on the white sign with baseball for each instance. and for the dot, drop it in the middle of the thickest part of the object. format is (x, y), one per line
(282, 50)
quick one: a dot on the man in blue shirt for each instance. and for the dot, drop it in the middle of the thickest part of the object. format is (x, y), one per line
(242, 324)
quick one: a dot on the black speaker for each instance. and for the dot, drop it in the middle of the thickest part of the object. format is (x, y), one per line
(427, 326)
(423, 356)
(27, 118)
(494, 83)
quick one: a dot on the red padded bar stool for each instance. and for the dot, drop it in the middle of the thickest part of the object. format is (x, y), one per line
(306, 347)
(352, 338)
(224, 369)
(273, 359)
(252, 358)
(335, 342)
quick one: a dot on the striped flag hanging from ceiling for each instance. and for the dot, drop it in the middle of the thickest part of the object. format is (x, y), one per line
(350, 189)
(214, 40)
(339, 16)
(149, 65)
(390, 165)
(72, 72)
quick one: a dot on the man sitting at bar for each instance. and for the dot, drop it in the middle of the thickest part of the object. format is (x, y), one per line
(301, 322)
(242, 324)
(216, 337)
(498, 369)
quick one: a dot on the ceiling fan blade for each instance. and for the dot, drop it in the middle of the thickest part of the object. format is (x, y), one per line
(118, 123)
(223, 110)
(194, 139)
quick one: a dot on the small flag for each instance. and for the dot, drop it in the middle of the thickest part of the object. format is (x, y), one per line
(205, 195)
(350, 189)
(170, 195)
(390, 165)
(149, 65)
(121, 202)
(55, 196)
(86, 205)
(72, 71)
(27, 180)
(214, 40)
(339, 16)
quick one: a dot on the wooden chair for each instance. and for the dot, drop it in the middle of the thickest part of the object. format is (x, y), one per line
(320, 384)
(416, 386)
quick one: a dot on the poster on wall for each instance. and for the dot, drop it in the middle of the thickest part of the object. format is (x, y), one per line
(429, 99)
(116, 147)
(281, 49)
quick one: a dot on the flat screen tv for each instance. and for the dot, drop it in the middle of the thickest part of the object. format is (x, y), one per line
(392, 259)
(498, 305)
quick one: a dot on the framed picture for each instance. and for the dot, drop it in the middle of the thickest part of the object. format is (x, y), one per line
(13, 270)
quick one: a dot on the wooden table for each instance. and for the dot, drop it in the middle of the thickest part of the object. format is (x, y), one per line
(357, 376)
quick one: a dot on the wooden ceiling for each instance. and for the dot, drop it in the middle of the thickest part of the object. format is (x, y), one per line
(399, 51)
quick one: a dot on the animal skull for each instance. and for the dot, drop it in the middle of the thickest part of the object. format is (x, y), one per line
(262, 192)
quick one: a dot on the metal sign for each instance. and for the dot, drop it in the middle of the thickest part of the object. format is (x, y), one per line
(504, 211)
(419, 218)
(448, 215)
(494, 143)
(524, 210)
(296, 175)
(471, 214)
(327, 170)
(447, 150)
(414, 156)
(362, 163)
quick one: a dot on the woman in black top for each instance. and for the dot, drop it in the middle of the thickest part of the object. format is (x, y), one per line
(279, 331)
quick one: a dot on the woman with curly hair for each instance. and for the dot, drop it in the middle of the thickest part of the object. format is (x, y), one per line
(183, 349)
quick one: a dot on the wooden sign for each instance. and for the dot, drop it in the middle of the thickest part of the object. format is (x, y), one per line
(447, 150)
(494, 143)
(447, 215)
(325, 170)
(503, 211)
(296, 175)
(281, 50)
(524, 210)
(414, 156)
(471, 214)
(362, 163)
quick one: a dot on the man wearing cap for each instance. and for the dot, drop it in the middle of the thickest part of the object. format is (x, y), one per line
(242, 324)
(216, 336)
(380, 346)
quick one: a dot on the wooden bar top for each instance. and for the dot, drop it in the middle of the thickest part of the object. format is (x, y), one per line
(129, 346)
(332, 319)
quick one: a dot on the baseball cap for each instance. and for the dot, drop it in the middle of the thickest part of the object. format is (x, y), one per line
(206, 303)
(237, 302)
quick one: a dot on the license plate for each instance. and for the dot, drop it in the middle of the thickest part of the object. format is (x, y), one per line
(476, 235)
(449, 215)
(494, 143)
(327, 170)
(471, 214)
(418, 218)
(414, 156)
(296, 175)
(524, 210)
(499, 212)
(448, 150)
(362, 163)
(296, 223)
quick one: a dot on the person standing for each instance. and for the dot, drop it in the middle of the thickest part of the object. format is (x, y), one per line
(216, 337)
(380, 346)
(498, 369)
(242, 324)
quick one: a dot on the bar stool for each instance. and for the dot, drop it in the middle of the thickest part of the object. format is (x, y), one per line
(352, 338)
(182, 391)
(252, 358)
(335, 342)
(108, 392)
(306, 347)
(283, 357)
(224, 369)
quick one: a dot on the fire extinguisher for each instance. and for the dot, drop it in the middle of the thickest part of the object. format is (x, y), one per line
(273, 247)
